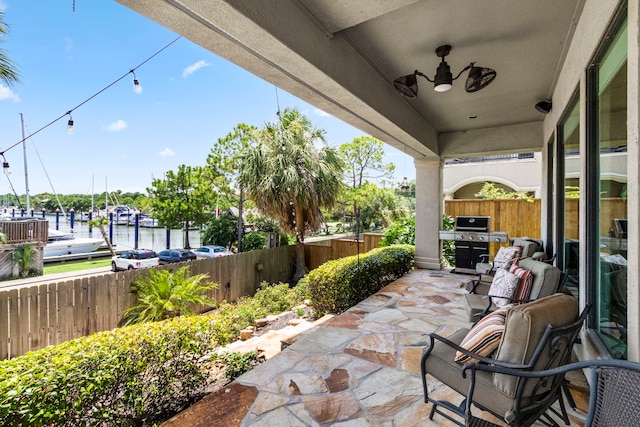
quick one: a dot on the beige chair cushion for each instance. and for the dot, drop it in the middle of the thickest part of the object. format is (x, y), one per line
(546, 277)
(441, 366)
(524, 326)
(529, 247)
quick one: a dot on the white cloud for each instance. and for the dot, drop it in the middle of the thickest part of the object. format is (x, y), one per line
(321, 113)
(7, 93)
(117, 126)
(167, 152)
(193, 68)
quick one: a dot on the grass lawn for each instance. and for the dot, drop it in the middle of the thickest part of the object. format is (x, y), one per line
(65, 267)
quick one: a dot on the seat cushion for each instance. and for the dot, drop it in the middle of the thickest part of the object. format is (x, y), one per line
(504, 284)
(545, 277)
(524, 326)
(529, 246)
(441, 366)
(484, 337)
(475, 304)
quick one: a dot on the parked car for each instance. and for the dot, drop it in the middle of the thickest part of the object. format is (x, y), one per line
(170, 256)
(211, 251)
(134, 259)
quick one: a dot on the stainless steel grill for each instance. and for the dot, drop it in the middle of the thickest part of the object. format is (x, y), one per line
(472, 236)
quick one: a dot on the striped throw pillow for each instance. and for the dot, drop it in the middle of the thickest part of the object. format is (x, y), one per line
(484, 337)
(524, 286)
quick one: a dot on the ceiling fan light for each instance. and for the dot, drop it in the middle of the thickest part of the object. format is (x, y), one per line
(479, 78)
(407, 85)
(444, 79)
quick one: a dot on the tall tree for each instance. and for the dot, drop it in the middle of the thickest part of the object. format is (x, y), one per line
(363, 161)
(290, 178)
(8, 72)
(225, 162)
(183, 198)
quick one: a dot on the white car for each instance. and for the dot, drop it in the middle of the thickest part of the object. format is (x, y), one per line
(211, 251)
(134, 259)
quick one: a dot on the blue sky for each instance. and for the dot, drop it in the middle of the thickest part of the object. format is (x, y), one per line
(121, 139)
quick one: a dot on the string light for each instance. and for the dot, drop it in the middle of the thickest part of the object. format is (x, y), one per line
(5, 166)
(136, 83)
(68, 113)
(70, 123)
(405, 184)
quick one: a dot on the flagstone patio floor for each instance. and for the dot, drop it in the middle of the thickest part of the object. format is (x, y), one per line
(357, 369)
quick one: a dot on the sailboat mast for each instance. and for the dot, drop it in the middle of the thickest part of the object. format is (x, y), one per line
(24, 154)
(92, 191)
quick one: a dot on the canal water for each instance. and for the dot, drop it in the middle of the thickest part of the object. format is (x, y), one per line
(124, 236)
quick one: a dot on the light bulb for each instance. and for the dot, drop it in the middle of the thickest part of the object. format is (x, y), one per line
(5, 168)
(70, 126)
(442, 87)
(136, 86)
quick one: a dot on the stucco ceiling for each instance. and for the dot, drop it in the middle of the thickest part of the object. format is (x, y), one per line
(342, 56)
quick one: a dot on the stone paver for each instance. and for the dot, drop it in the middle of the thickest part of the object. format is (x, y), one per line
(357, 369)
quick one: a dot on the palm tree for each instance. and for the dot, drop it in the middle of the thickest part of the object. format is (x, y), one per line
(24, 256)
(290, 179)
(101, 222)
(8, 73)
(164, 294)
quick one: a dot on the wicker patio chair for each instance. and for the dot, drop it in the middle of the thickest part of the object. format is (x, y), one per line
(614, 389)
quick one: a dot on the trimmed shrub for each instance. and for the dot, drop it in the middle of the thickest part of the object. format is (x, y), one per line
(135, 375)
(339, 284)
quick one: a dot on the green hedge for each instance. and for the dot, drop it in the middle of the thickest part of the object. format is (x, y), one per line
(339, 284)
(135, 375)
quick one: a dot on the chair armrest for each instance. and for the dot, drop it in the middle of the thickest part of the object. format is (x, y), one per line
(484, 258)
(483, 360)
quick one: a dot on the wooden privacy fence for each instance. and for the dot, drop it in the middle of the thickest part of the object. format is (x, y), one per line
(36, 316)
(516, 217)
(319, 252)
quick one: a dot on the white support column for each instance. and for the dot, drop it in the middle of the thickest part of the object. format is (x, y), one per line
(429, 210)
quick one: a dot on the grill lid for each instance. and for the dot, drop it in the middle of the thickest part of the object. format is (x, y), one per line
(472, 223)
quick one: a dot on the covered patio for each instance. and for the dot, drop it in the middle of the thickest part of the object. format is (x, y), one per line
(566, 86)
(360, 368)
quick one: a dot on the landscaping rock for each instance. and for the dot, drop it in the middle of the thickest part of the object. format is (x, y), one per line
(261, 323)
(246, 333)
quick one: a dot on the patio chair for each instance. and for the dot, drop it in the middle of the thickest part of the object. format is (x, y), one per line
(537, 335)
(614, 399)
(546, 280)
(520, 247)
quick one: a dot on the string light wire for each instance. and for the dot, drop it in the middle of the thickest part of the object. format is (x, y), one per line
(68, 113)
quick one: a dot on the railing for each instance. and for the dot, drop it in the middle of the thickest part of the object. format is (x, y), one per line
(21, 230)
(499, 157)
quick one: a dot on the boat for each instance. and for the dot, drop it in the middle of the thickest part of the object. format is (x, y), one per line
(122, 214)
(149, 222)
(60, 243)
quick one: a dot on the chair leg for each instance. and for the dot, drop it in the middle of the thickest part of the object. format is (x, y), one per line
(562, 414)
(567, 392)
